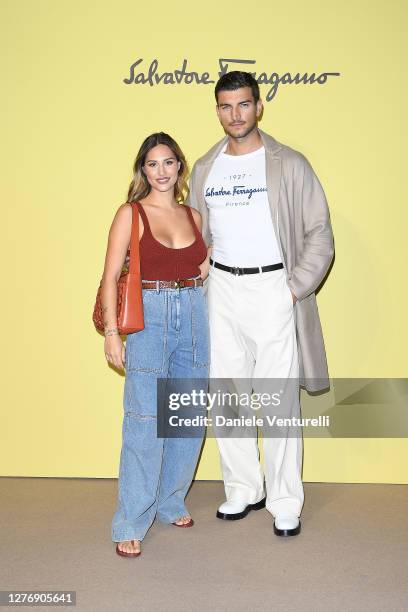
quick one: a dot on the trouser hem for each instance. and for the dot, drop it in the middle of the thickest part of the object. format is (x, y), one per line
(284, 510)
(120, 538)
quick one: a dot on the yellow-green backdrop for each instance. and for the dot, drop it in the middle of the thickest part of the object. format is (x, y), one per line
(70, 131)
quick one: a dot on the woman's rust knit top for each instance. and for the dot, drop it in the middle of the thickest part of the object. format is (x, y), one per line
(159, 262)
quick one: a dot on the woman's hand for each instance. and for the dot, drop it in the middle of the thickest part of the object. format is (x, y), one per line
(115, 351)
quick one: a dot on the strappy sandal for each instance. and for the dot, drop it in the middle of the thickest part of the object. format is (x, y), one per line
(189, 524)
(123, 553)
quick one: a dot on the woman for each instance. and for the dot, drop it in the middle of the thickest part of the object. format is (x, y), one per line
(155, 473)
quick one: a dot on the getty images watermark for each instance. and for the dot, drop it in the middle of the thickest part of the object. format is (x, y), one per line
(254, 401)
(338, 408)
(233, 408)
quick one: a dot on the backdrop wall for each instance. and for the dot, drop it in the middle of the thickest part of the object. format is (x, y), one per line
(71, 128)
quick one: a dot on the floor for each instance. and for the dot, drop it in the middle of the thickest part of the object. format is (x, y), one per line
(352, 553)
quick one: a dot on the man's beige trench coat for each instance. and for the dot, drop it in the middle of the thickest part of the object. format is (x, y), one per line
(301, 220)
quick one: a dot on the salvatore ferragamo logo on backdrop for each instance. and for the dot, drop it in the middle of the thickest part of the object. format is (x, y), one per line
(151, 75)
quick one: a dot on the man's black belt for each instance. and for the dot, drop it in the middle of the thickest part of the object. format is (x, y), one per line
(240, 271)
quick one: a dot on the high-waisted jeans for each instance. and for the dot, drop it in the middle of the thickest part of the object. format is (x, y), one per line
(155, 473)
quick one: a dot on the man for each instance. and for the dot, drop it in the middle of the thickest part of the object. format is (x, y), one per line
(266, 219)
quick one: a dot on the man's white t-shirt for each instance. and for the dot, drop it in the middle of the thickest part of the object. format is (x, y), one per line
(239, 213)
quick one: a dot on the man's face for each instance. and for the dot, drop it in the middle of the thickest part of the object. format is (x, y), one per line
(238, 112)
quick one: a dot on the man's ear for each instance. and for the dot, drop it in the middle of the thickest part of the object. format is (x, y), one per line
(217, 111)
(259, 107)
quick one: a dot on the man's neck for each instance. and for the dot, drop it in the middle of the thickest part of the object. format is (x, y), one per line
(240, 146)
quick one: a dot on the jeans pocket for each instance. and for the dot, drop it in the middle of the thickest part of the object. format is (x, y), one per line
(145, 349)
(200, 329)
(140, 398)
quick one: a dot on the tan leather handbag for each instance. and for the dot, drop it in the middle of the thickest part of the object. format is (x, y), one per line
(129, 302)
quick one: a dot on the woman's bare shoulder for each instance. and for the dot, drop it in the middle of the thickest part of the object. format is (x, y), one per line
(123, 219)
(196, 217)
(124, 210)
(196, 214)
(123, 215)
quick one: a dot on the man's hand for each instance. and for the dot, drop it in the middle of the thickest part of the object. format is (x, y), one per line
(205, 266)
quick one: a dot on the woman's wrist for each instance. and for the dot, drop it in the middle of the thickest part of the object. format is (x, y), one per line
(111, 331)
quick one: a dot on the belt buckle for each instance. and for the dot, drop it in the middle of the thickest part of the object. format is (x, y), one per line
(179, 284)
(236, 271)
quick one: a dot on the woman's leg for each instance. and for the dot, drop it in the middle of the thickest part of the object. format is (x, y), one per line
(142, 451)
(140, 465)
(188, 371)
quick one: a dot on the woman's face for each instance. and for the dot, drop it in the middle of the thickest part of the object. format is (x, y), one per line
(161, 168)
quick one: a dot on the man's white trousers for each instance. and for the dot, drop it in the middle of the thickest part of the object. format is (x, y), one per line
(253, 339)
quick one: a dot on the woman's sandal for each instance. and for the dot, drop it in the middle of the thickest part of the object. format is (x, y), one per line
(123, 553)
(189, 524)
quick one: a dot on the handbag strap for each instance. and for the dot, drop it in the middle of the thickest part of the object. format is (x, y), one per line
(134, 264)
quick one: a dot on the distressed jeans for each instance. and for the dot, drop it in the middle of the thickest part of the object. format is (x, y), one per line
(156, 473)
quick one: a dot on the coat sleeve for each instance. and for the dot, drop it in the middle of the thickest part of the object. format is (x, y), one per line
(317, 253)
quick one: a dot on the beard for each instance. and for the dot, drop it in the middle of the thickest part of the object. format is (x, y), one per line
(241, 134)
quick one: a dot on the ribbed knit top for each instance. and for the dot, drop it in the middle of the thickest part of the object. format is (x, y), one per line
(159, 262)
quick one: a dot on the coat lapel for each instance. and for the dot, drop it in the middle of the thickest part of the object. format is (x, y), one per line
(273, 175)
(201, 177)
(273, 178)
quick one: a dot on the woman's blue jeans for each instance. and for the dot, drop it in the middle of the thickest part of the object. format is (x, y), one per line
(156, 473)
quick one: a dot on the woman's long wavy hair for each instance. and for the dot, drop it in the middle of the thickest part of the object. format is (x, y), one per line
(140, 187)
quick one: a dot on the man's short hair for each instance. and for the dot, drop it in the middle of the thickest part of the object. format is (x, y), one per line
(235, 80)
